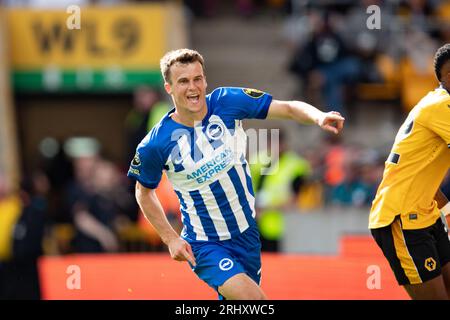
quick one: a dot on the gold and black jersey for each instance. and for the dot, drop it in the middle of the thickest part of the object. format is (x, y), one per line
(416, 166)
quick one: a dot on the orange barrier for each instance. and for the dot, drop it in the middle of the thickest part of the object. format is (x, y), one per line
(154, 276)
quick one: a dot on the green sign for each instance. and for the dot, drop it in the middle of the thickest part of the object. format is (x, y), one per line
(66, 81)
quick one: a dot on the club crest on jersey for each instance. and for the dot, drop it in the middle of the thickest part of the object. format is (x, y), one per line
(254, 93)
(430, 264)
(136, 160)
(225, 264)
(215, 130)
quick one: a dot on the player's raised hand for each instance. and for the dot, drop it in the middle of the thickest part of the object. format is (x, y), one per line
(332, 121)
(180, 250)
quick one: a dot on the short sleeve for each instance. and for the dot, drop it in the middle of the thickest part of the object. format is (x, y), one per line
(439, 120)
(147, 164)
(242, 103)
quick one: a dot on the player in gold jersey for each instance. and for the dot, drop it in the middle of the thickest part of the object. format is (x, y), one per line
(405, 218)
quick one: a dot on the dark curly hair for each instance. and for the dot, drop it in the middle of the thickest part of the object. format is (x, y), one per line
(440, 58)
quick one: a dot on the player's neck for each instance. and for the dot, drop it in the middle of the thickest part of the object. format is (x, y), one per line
(189, 119)
(445, 86)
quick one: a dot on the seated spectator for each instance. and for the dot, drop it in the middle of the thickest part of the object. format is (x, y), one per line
(95, 212)
(148, 109)
(416, 13)
(333, 158)
(22, 220)
(367, 43)
(417, 71)
(276, 189)
(325, 64)
(443, 21)
(352, 191)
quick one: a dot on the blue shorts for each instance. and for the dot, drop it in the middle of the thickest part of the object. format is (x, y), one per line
(218, 261)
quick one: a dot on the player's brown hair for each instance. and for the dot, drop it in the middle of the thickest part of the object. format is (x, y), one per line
(184, 56)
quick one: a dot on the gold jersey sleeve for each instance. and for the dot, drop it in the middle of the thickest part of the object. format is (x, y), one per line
(438, 117)
(416, 166)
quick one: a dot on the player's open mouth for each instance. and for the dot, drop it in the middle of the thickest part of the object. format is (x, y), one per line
(194, 98)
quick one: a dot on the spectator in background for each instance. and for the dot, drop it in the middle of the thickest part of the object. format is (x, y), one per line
(277, 184)
(419, 47)
(416, 13)
(147, 109)
(23, 222)
(417, 69)
(362, 170)
(324, 63)
(10, 208)
(95, 211)
(202, 8)
(100, 205)
(334, 155)
(58, 169)
(444, 31)
(81, 185)
(443, 20)
(352, 191)
(372, 166)
(311, 195)
(367, 43)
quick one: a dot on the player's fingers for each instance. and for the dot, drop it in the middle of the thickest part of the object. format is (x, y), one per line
(331, 128)
(178, 254)
(191, 255)
(335, 112)
(340, 125)
(334, 121)
(335, 115)
(185, 254)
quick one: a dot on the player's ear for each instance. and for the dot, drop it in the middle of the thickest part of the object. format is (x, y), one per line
(168, 87)
(447, 77)
(445, 72)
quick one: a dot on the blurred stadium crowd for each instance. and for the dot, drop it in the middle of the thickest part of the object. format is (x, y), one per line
(73, 198)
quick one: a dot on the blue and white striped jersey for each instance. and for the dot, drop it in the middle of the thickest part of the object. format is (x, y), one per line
(206, 164)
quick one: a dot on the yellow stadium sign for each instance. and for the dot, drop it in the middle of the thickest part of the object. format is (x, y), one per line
(128, 37)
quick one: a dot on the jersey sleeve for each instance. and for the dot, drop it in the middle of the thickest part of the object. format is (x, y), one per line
(242, 103)
(147, 164)
(439, 120)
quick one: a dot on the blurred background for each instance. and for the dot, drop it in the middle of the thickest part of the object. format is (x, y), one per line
(80, 87)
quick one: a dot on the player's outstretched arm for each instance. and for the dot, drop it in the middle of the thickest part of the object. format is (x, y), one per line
(149, 203)
(303, 112)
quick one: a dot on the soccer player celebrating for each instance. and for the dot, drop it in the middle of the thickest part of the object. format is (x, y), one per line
(405, 217)
(201, 146)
